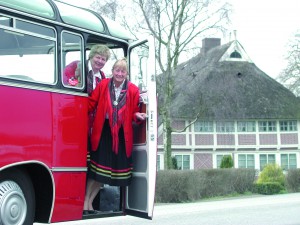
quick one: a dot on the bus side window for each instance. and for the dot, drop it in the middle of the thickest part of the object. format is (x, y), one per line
(25, 54)
(72, 58)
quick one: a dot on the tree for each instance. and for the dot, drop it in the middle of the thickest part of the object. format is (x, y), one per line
(290, 76)
(178, 27)
(107, 8)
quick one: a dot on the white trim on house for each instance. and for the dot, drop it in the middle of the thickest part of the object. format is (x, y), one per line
(256, 148)
(236, 46)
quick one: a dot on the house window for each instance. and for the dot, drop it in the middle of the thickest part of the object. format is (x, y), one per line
(246, 126)
(265, 159)
(158, 162)
(288, 125)
(288, 161)
(183, 162)
(267, 126)
(235, 54)
(219, 160)
(203, 126)
(223, 127)
(246, 161)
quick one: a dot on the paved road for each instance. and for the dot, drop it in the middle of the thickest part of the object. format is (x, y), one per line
(255, 210)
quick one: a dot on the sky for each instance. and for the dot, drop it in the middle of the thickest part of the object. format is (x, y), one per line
(263, 28)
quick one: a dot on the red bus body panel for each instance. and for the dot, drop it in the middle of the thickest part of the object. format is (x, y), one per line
(50, 128)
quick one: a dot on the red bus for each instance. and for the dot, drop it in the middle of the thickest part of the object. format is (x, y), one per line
(43, 122)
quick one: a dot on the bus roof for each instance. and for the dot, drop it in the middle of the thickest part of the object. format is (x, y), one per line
(69, 14)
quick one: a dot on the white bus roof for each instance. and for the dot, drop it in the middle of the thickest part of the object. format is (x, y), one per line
(69, 14)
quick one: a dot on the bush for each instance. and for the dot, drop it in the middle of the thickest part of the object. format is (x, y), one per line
(270, 181)
(292, 180)
(192, 185)
(271, 173)
(227, 162)
(243, 180)
(171, 186)
(220, 182)
(268, 188)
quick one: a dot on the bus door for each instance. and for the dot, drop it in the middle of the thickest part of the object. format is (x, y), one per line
(139, 195)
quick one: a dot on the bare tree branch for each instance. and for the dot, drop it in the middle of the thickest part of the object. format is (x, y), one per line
(187, 126)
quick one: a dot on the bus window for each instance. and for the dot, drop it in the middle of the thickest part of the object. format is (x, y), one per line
(19, 48)
(72, 58)
(138, 66)
(138, 69)
(23, 25)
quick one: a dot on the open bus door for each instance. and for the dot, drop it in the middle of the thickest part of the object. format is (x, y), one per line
(139, 196)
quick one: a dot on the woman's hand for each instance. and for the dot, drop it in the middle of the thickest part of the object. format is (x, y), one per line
(141, 116)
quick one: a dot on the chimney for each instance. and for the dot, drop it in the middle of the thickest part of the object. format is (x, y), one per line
(209, 43)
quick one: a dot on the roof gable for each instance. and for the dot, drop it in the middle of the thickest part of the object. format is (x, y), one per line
(235, 52)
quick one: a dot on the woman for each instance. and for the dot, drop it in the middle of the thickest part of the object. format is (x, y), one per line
(117, 102)
(98, 57)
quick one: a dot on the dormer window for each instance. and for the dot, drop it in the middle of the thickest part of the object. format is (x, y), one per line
(236, 55)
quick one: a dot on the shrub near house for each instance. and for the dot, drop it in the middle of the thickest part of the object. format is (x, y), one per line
(192, 185)
(271, 180)
(227, 162)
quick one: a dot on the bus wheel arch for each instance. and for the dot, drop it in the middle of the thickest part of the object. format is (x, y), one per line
(41, 180)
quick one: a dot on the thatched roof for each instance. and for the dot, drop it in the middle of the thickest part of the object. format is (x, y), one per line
(228, 90)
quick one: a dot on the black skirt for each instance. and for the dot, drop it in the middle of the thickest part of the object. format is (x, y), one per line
(107, 167)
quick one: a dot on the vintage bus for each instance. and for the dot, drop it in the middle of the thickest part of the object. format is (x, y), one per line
(43, 122)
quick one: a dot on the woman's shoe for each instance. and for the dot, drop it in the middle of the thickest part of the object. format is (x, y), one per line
(91, 212)
(86, 212)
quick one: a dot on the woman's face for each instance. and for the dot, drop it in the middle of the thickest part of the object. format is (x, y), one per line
(119, 75)
(98, 62)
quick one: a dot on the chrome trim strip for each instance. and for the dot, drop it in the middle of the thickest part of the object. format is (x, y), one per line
(69, 169)
(40, 88)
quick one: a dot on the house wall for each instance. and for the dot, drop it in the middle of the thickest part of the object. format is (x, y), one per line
(205, 149)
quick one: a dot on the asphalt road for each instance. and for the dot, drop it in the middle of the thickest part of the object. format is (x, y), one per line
(253, 210)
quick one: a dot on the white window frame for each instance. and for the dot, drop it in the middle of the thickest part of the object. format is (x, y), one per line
(181, 167)
(288, 164)
(288, 125)
(246, 126)
(225, 127)
(268, 160)
(204, 126)
(246, 160)
(267, 126)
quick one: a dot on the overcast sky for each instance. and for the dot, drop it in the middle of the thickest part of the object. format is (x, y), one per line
(263, 27)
